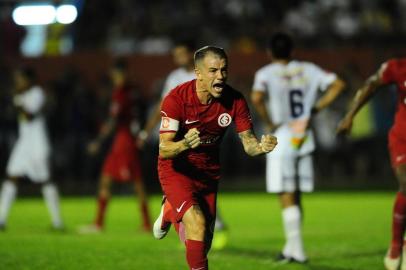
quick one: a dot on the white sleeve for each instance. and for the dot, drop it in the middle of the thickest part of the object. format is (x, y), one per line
(169, 84)
(324, 78)
(33, 101)
(260, 83)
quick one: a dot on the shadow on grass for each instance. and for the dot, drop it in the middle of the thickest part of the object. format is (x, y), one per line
(268, 256)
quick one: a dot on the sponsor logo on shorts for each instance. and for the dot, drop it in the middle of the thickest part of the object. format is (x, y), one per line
(178, 209)
(224, 120)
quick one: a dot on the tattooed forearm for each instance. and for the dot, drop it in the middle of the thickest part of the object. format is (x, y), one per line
(251, 145)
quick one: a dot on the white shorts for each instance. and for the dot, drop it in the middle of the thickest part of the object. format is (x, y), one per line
(282, 172)
(284, 175)
(29, 158)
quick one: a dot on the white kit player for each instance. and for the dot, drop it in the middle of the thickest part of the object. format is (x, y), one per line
(286, 94)
(30, 154)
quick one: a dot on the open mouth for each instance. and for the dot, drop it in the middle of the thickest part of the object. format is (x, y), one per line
(218, 87)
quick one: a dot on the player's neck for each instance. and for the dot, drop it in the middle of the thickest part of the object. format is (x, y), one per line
(203, 94)
(281, 61)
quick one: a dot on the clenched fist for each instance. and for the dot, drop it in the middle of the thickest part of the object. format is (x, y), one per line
(192, 139)
(268, 143)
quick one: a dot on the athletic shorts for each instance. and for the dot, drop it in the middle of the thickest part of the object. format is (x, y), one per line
(289, 174)
(30, 157)
(397, 149)
(122, 163)
(183, 192)
(287, 168)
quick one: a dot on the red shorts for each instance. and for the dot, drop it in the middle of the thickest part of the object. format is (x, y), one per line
(397, 149)
(122, 163)
(183, 192)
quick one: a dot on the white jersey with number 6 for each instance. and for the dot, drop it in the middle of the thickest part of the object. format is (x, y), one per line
(292, 90)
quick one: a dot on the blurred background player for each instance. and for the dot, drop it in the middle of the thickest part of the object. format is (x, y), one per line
(285, 96)
(122, 163)
(30, 155)
(391, 72)
(195, 117)
(182, 54)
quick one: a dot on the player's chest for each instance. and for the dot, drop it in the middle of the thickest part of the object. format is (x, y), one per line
(212, 118)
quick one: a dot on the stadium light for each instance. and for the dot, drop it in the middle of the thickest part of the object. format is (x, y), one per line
(44, 14)
(66, 14)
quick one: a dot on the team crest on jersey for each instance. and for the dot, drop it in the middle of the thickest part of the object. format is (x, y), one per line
(224, 120)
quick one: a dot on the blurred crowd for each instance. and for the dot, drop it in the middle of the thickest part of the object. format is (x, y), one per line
(149, 27)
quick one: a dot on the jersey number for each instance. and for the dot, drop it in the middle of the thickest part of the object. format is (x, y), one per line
(296, 102)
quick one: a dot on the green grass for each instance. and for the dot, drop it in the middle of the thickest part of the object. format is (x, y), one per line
(342, 231)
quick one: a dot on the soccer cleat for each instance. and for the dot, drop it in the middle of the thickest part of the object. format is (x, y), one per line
(391, 263)
(161, 227)
(220, 239)
(90, 229)
(282, 259)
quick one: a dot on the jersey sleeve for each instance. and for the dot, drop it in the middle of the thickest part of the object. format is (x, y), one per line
(388, 71)
(169, 84)
(242, 118)
(171, 113)
(323, 77)
(33, 101)
(259, 82)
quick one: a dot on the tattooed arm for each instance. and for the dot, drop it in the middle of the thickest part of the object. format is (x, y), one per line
(253, 147)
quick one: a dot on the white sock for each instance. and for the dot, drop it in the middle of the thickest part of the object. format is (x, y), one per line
(293, 233)
(7, 196)
(51, 198)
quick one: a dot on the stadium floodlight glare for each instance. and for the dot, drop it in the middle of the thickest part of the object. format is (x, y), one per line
(34, 15)
(66, 14)
(44, 14)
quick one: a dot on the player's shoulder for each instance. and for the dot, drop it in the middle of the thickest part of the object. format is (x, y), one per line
(396, 63)
(182, 91)
(175, 73)
(266, 69)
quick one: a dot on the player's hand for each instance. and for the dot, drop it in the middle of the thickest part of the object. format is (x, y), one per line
(344, 126)
(268, 143)
(93, 147)
(192, 139)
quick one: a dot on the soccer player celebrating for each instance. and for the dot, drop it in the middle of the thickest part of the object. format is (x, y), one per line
(195, 116)
(291, 87)
(122, 164)
(30, 154)
(391, 72)
(182, 54)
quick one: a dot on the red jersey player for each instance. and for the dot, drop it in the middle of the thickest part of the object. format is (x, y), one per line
(195, 116)
(391, 72)
(122, 164)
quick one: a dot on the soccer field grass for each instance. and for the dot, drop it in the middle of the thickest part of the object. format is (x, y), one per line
(342, 231)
